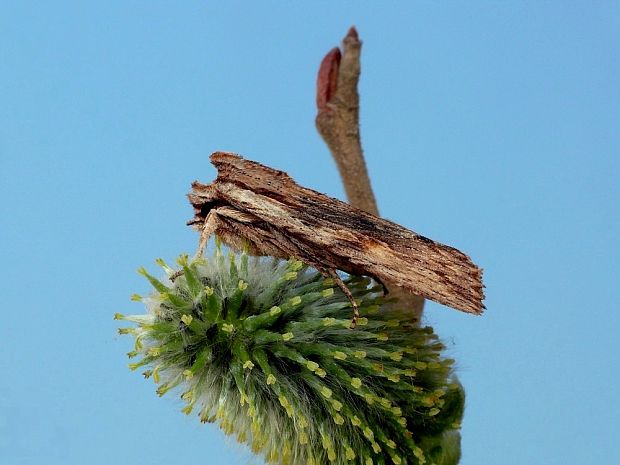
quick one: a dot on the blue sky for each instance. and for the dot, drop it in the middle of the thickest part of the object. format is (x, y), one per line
(489, 126)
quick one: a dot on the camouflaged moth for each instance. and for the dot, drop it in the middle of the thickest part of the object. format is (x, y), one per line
(264, 210)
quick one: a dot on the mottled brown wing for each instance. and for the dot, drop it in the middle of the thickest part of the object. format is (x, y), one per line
(279, 217)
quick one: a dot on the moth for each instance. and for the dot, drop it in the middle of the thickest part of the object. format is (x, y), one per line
(264, 210)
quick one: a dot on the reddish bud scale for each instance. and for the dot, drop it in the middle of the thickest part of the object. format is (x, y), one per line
(327, 78)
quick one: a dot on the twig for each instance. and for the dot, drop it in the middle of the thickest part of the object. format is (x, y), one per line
(337, 121)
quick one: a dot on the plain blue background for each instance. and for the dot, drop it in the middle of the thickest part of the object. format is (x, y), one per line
(490, 126)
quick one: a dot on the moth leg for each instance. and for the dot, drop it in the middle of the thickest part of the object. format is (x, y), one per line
(343, 287)
(208, 228)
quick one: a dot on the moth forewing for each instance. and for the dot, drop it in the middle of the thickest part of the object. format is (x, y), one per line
(264, 207)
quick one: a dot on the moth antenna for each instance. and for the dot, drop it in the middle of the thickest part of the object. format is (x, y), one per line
(343, 287)
(208, 228)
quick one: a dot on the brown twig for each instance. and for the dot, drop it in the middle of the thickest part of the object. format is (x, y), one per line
(337, 121)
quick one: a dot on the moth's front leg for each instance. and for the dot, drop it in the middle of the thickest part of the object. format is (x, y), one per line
(209, 227)
(214, 221)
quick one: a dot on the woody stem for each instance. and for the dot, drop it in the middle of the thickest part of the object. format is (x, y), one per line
(337, 121)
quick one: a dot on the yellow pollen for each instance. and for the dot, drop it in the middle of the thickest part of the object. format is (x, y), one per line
(187, 409)
(312, 366)
(419, 453)
(428, 401)
(327, 292)
(154, 351)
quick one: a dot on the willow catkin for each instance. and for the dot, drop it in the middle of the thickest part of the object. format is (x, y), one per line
(263, 347)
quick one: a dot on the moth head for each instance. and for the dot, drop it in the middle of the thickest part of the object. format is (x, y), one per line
(203, 198)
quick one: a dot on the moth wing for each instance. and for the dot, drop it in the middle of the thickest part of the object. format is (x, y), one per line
(327, 231)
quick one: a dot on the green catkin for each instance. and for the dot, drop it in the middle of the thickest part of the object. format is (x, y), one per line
(263, 347)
